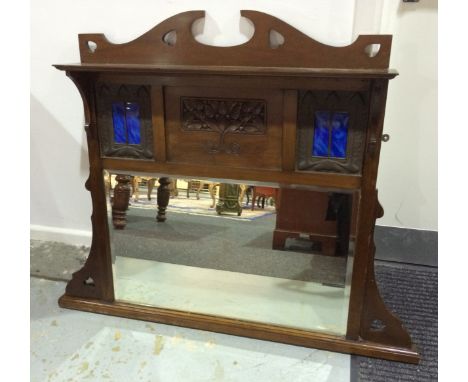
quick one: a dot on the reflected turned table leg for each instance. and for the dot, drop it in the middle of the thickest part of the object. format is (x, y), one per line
(163, 198)
(120, 201)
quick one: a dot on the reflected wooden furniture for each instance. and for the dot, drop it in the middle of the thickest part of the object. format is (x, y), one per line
(128, 186)
(244, 191)
(199, 185)
(150, 182)
(302, 114)
(323, 218)
(173, 190)
(262, 193)
(136, 180)
(194, 184)
(228, 201)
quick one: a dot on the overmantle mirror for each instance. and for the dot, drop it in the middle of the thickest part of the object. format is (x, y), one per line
(234, 188)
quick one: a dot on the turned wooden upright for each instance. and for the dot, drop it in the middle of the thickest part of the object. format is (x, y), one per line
(245, 113)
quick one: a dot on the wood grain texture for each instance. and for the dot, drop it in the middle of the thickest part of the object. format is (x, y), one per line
(242, 328)
(378, 324)
(289, 130)
(368, 211)
(94, 279)
(298, 49)
(327, 181)
(157, 106)
(226, 127)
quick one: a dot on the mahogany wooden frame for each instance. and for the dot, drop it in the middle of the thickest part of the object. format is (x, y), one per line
(299, 64)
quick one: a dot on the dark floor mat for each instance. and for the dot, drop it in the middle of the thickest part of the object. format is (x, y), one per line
(411, 293)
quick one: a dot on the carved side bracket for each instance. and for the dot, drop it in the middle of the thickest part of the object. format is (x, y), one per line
(378, 324)
(89, 281)
(94, 279)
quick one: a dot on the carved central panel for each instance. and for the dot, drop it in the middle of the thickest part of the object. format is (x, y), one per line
(223, 116)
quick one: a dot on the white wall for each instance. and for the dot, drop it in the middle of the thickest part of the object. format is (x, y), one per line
(408, 180)
(59, 164)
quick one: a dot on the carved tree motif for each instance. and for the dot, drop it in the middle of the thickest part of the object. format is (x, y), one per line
(224, 116)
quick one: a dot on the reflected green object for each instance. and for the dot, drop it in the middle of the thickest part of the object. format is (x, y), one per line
(229, 199)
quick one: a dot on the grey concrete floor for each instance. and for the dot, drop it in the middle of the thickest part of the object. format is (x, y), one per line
(69, 345)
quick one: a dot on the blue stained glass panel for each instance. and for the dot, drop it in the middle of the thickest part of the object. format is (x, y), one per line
(118, 118)
(339, 131)
(321, 134)
(132, 117)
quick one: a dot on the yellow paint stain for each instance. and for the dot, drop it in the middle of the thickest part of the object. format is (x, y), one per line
(75, 356)
(84, 366)
(158, 345)
(117, 335)
(88, 345)
(54, 323)
(210, 344)
(116, 348)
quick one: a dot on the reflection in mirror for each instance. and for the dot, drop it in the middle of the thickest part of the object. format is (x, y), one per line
(248, 251)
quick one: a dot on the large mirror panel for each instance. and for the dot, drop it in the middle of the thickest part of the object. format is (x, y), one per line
(243, 250)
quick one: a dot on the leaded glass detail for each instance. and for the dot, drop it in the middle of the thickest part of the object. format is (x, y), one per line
(118, 118)
(321, 134)
(132, 115)
(339, 135)
(330, 134)
(126, 120)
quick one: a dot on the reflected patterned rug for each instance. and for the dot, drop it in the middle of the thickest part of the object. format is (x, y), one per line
(202, 207)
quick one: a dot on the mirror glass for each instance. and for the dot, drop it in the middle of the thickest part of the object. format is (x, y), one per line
(243, 250)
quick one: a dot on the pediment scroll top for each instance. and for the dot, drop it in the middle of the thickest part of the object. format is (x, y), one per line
(172, 42)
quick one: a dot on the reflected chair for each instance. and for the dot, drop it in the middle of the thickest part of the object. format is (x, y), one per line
(262, 193)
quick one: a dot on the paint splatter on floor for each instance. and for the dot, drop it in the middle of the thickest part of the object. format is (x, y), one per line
(158, 345)
(84, 366)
